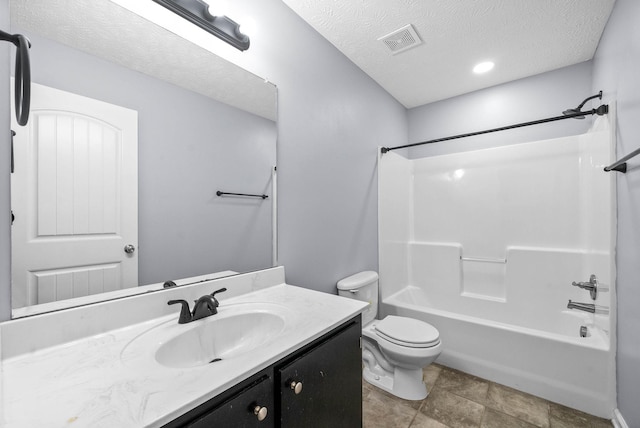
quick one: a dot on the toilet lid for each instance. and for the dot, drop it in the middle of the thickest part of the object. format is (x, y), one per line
(407, 332)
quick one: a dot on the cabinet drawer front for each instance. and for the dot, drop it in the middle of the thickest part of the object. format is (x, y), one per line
(330, 394)
(239, 411)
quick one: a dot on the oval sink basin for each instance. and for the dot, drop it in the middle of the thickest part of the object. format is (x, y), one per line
(219, 339)
(235, 330)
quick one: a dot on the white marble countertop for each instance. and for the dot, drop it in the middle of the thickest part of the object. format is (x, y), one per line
(95, 382)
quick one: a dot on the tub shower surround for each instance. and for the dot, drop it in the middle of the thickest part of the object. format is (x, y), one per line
(485, 245)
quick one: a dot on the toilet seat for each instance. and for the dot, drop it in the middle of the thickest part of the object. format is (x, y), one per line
(407, 332)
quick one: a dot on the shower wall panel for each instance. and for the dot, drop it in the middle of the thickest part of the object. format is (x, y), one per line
(549, 194)
(395, 178)
(501, 230)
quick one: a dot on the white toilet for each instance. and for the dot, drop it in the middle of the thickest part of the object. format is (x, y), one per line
(394, 349)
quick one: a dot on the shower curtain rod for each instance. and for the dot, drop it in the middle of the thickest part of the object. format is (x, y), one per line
(600, 111)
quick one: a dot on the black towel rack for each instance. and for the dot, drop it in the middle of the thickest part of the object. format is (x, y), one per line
(22, 75)
(219, 193)
(621, 165)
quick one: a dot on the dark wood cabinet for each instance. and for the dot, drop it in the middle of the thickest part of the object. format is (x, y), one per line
(250, 407)
(326, 374)
(323, 386)
(235, 407)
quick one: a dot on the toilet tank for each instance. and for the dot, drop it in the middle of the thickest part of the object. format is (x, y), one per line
(362, 286)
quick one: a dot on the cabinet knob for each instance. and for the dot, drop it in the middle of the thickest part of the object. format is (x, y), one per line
(296, 386)
(260, 412)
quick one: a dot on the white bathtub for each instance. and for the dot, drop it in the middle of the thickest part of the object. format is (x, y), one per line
(550, 360)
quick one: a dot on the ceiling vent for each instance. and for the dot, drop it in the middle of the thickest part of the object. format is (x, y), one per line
(401, 40)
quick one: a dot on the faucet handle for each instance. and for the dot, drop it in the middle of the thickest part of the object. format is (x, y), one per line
(215, 301)
(591, 286)
(185, 312)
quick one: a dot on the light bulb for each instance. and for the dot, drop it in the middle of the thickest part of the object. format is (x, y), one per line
(248, 26)
(217, 8)
(483, 67)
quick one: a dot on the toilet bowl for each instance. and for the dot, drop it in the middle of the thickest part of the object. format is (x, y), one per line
(394, 349)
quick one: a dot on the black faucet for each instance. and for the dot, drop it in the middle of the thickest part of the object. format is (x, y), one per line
(205, 306)
(185, 313)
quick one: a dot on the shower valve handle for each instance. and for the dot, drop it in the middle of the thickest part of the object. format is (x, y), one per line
(592, 286)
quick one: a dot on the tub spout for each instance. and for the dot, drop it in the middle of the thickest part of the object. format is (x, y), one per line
(587, 307)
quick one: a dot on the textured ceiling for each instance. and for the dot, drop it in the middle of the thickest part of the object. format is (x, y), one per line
(522, 37)
(111, 32)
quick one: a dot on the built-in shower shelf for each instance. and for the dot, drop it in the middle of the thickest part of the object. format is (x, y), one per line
(483, 260)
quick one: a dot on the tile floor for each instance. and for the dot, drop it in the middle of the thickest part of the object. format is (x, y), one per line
(459, 400)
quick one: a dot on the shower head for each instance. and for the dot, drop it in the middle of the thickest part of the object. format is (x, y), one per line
(576, 111)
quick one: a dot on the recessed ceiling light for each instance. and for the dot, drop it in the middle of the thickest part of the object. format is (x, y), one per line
(483, 67)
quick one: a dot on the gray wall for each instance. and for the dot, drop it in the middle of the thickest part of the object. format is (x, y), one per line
(332, 118)
(525, 100)
(189, 146)
(617, 72)
(5, 184)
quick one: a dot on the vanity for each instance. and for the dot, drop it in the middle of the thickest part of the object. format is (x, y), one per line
(318, 385)
(274, 355)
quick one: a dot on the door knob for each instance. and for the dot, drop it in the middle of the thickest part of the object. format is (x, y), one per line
(260, 412)
(296, 387)
(129, 249)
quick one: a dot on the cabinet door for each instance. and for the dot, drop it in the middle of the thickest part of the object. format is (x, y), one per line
(331, 384)
(244, 409)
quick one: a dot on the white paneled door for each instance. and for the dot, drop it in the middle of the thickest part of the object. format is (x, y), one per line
(74, 195)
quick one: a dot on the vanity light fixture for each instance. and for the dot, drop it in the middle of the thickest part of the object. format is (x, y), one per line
(483, 67)
(197, 12)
